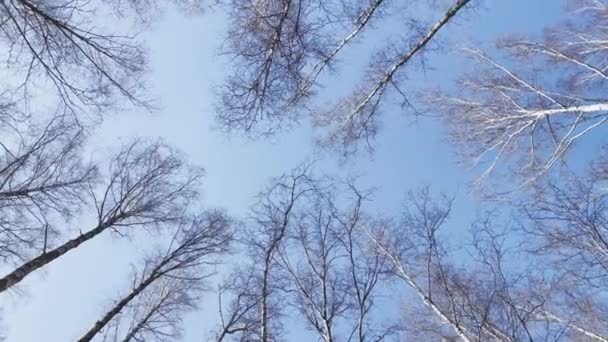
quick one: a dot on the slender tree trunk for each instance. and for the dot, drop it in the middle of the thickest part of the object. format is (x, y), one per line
(45, 258)
(117, 308)
(29, 191)
(360, 327)
(451, 12)
(264, 306)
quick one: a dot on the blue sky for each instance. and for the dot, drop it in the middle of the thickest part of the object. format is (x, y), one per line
(67, 297)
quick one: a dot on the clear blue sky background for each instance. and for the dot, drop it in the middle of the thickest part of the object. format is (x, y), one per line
(68, 296)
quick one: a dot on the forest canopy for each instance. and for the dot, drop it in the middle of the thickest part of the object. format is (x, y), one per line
(227, 170)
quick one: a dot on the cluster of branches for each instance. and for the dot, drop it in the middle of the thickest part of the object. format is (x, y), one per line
(62, 45)
(528, 103)
(280, 48)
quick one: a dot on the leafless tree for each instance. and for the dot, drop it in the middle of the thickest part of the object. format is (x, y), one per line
(157, 313)
(324, 268)
(515, 110)
(42, 175)
(503, 295)
(147, 185)
(58, 42)
(316, 278)
(416, 253)
(365, 270)
(505, 291)
(170, 281)
(65, 46)
(280, 49)
(273, 41)
(570, 222)
(256, 315)
(568, 227)
(492, 297)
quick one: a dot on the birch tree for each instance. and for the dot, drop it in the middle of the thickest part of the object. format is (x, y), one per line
(512, 288)
(366, 270)
(320, 286)
(324, 272)
(533, 100)
(475, 301)
(353, 120)
(416, 254)
(238, 319)
(255, 312)
(58, 43)
(170, 281)
(508, 294)
(147, 186)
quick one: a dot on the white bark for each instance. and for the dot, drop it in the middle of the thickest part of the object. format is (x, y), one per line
(404, 274)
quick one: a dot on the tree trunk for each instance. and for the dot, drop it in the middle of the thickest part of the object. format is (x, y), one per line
(264, 300)
(117, 308)
(24, 270)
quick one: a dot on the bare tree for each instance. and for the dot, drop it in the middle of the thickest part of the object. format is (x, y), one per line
(496, 299)
(569, 222)
(319, 283)
(274, 40)
(514, 113)
(171, 281)
(505, 292)
(256, 315)
(486, 298)
(147, 185)
(58, 42)
(63, 45)
(365, 269)
(499, 297)
(158, 313)
(417, 255)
